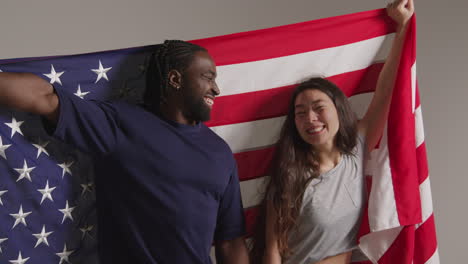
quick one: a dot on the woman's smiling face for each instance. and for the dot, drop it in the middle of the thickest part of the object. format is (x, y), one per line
(316, 118)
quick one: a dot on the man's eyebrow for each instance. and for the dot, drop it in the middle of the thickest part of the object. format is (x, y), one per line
(211, 72)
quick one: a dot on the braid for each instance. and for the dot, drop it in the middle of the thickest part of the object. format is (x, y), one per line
(171, 55)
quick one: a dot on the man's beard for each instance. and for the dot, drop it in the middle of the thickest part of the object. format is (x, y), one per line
(196, 110)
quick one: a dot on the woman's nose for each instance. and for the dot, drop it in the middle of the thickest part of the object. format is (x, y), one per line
(312, 116)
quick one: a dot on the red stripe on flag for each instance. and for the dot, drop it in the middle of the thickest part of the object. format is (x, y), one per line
(251, 215)
(401, 139)
(423, 170)
(332, 32)
(402, 249)
(426, 241)
(254, 164)
(357, 82)
(271, 103)
(250, 106)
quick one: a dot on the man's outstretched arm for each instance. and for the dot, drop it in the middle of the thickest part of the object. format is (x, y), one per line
(29, 93)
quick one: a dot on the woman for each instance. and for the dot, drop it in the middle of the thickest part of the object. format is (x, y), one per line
(315, 197)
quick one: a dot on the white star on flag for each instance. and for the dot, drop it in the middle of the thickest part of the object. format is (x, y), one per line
(2, 193)
(101, 72)
(46, 192)
(19, 260)
(20, 217)
(64, 254)
(3, 148)
(86, 188)
(79, 93)
(65, 168)
(54, 76)
(15, 126)
(86, 230)
(41, 148)
(42, 237)
(67, 212)
(1, 241)
(24, 172)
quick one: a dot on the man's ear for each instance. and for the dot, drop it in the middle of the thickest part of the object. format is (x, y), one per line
(175, 79)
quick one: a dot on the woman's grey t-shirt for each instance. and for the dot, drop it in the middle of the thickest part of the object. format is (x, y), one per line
(331, 211)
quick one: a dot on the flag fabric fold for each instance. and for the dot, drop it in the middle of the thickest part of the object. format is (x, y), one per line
(47, 197)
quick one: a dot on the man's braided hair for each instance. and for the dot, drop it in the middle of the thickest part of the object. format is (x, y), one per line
(171, 55)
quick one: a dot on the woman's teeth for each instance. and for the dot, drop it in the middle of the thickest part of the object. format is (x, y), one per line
(315, 130)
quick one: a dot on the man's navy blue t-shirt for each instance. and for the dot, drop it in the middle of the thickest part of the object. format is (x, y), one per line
(165, 191)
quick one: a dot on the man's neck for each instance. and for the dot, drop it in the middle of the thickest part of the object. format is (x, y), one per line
(175, 114)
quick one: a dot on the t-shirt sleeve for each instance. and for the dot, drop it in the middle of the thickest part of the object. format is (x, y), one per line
(361, 146)
(231, 221)
(91, 126)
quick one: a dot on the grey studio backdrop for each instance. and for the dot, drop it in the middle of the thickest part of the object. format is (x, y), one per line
(53, 27)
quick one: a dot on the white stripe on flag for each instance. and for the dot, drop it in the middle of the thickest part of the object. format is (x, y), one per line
(360, 102)
(434, 259)
(252, 191)
(419, 126)
(288, 70)
(382, 205)
(374, 245)
(426, 200)
(250, 135)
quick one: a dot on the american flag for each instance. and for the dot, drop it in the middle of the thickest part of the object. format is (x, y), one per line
(47, 210)
(47, 197)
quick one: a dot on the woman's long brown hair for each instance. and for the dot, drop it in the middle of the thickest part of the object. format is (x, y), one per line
(294, 164)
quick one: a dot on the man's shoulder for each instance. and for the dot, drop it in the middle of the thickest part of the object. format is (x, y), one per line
(223, 150)
(216, 138)
(120, 107)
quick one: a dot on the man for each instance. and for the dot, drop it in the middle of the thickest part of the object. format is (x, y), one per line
(166, 185)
